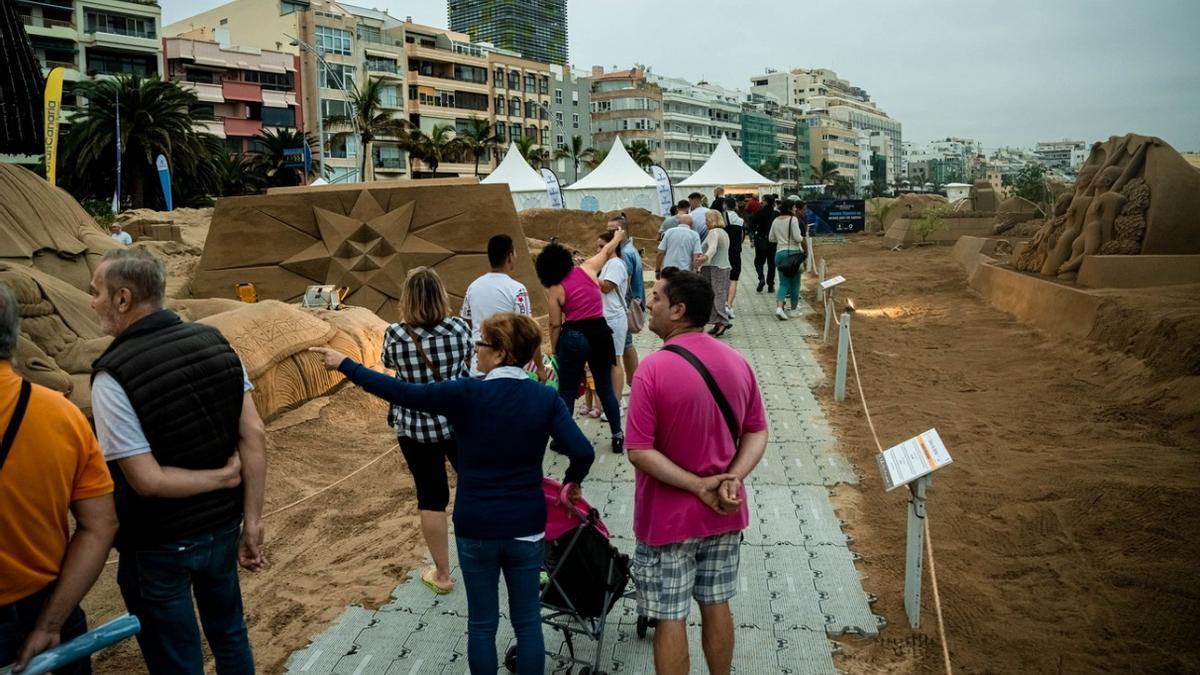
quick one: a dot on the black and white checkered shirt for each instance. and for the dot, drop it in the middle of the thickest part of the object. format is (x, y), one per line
(448, 345)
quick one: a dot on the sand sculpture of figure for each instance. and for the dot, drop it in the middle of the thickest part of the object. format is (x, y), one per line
(1130, 226)
(1034, 255)
(1059, 247)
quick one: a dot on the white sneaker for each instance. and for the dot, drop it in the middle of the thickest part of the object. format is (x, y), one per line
(729, 311)
(780, 314)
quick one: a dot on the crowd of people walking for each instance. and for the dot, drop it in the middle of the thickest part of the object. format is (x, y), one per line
(174, 475)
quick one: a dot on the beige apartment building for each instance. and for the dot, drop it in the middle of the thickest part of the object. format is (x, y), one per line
(521, 98)
(625, 104)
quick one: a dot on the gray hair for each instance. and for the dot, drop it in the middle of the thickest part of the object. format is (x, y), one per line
(137, 269)
(10, 322)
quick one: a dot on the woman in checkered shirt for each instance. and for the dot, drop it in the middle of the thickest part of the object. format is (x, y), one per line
(428, 345)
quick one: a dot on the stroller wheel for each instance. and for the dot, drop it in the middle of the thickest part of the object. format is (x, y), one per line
(510, 659)
(642, 624)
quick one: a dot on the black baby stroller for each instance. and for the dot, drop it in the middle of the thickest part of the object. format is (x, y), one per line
(586, 576)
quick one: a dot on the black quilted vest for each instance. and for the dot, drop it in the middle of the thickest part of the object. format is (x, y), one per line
(185, 384)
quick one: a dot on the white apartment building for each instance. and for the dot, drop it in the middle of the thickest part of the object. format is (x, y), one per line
(1061, 155)
(694, 117)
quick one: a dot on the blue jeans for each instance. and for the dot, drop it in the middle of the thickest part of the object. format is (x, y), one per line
(17, 621)
(481, 561)
(573, 351)
(789, 287)
(158, 583)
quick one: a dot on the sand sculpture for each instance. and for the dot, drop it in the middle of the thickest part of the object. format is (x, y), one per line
(1017, 216)
(910, 206)
(578, 229)
(43, 227)
(1134, 194)
(984, 196)
(361, 237)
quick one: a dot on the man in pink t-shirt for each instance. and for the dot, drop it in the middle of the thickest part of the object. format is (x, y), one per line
(690, 505)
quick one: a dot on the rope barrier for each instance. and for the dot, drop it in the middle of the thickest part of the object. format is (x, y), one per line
(308, 497)
(937, 599)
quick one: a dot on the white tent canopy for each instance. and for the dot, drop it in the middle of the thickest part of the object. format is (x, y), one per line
(616, 184)
(527, 186)
(724, 169)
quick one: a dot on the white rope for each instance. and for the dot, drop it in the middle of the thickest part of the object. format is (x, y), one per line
(937, 599)
(308, 497)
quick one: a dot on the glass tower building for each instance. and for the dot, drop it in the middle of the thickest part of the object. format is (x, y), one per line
(537, 29)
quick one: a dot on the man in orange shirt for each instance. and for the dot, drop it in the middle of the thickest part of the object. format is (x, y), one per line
(50, 463)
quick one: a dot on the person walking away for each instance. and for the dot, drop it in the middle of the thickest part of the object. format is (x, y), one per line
(764, 250)
(689, 501)
(787, 234)
(578, 332)
(697, 215)
(50, 466)
(716, 271)
(614, 284)
(680, 248)
(752, 206)
(736, 229)
(636, 293)
(428, 345)
(671, 221)
(496, 292)
(718, 200)
(501, 424)
(119, 234)
(174, 417)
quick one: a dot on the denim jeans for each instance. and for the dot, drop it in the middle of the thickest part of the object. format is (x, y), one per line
(158, 583)
(573, 351)
(481, 562)
(17, 621)
(789, 287)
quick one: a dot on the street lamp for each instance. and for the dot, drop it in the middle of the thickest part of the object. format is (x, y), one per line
(563, 129)
(319, 52)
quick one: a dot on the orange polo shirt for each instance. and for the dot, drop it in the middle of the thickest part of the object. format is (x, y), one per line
(55, 460)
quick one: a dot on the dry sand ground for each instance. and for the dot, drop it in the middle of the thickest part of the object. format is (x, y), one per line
(1065, 531)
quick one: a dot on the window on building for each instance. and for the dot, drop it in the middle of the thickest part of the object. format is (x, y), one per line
(500, 110)
(532, 132)
(233, 145)
(574, 120)
(121, 24)
(516, 132)
(530, 85)
(470, 74)
(558, 117)
(100, 62)
(559, 141)
(370, 34)
(382, 65)
(278, 117)
(558, 99)
(467, 100)
(531, 109)
(290, 6)
(574, 98)
(498, 77)
(336, 76)
(544, 84)
(501, 133)
(334, 108)
(514, 80)
(545, 135)
(334, 40)
(272, 81)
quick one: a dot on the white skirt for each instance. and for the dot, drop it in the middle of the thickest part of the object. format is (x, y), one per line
(620, 328)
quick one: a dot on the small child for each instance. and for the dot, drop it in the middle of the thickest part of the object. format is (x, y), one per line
(591, 402)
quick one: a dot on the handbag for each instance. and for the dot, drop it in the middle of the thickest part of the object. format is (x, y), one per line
(636, 316)
(793, 262)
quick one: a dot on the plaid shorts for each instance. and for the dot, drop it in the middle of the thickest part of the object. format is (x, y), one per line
(668, 577)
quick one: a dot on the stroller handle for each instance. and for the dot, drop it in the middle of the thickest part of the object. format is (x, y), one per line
(564, 499)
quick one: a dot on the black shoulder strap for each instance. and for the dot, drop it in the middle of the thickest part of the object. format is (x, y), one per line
(722, 403)
(14, 424)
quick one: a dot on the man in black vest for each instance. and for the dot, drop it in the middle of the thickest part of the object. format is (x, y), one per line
(185, 446)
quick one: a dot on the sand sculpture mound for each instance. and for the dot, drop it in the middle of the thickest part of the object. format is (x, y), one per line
(910, 206)
(578, 229)
(1135, 194)
(984, 196)
(1017, 216)
(42, 226)
(362, 237)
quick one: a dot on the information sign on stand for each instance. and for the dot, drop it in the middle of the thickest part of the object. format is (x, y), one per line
(914, 461)
(830, 284)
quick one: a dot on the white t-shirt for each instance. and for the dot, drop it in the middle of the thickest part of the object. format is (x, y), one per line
(122, 237)
(617, 272)
(492, 293)
(117, 425)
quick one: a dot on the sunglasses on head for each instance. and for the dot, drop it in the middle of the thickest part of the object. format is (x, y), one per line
(481, 343)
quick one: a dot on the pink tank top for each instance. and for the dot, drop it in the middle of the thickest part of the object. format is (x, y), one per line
(583, 299)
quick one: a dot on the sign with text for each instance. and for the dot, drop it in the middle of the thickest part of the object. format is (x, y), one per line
(842, 215)
(916, 457)
(663, 183)
(293, 158)
(553, 188)
(829, 284)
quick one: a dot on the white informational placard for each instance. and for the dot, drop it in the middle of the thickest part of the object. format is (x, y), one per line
(830, 283)
(320, 297)
(916, 457)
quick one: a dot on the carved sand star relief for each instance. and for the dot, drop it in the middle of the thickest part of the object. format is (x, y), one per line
(365, 248)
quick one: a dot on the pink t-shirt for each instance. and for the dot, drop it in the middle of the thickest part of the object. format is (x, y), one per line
(583, 299)
(672, 411)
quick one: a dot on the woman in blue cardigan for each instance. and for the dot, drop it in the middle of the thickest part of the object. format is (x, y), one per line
(501, 424)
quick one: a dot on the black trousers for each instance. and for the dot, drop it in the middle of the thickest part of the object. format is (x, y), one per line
(764, 251)
(427, 464)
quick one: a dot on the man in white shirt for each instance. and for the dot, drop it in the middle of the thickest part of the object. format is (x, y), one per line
(119, 234)
(496, 292)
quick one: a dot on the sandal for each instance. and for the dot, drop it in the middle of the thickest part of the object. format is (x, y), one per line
(427, 579)
(593, 413)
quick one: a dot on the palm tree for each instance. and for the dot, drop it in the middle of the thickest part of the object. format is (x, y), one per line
(439, 144)
(641, 153)
(597, 158)
(532, 152)
(275, 143)
(368, 120)
(239, 174)
(478, 139)
(770, 167)
(841, 187)
(826, 173)
(156, 118)
(575, 152)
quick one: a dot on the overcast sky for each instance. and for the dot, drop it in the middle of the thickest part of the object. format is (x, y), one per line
(1005, 73)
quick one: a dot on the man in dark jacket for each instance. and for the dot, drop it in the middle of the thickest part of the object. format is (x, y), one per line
(764, 250)
(185, 446)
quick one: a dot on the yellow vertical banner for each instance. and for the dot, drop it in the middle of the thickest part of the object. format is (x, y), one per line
(53, 107)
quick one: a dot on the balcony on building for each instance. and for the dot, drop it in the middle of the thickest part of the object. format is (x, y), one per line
(382, 65)
(446, 74)
(242, 127)
(56, 53)
(423, 97)
(47, 17)
(114, 61)
(128, 30)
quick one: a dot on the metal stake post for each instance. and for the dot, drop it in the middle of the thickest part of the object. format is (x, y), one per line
(914, 564)
(839, 383)
(821, 280)
(828, 314)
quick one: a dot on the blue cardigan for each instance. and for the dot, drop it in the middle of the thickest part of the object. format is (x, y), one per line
(501, 427)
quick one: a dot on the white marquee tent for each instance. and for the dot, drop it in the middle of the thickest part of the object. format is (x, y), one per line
(723, 169)
(617, 183)
(527, 186)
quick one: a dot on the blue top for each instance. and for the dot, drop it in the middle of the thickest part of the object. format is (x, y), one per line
(501, 425)
(637, 274)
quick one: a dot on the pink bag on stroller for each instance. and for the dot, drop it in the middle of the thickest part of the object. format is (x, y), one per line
(561, 515)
